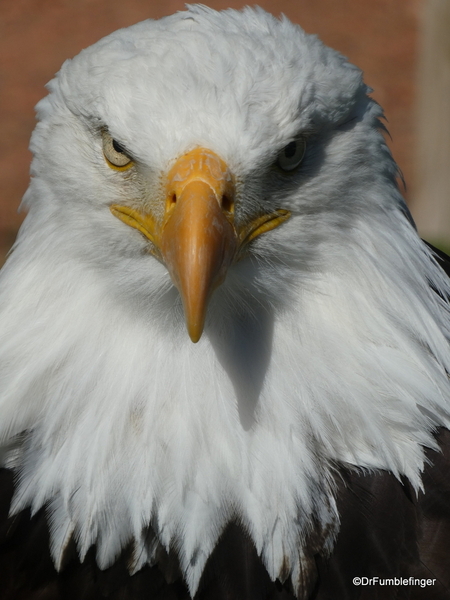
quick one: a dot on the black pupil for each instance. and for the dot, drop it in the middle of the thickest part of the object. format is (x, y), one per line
(117, 147)
(290, 150)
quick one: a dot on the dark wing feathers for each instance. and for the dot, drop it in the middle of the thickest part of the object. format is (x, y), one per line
(434, 542)
(387, 531)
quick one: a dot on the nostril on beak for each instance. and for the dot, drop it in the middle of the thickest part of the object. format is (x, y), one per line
(171, 201)
(227, 204)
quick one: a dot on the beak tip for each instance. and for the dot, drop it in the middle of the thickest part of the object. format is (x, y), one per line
(195, 333)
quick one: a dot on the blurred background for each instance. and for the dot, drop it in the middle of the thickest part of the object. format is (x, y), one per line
(403, 47)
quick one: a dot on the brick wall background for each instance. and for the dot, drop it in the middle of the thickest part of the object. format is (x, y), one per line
(431, 200)
(36, 36)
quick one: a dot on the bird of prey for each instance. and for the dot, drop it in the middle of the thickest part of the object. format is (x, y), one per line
(224, 358)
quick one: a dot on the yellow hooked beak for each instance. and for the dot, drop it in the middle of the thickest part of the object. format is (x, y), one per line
(197, 238)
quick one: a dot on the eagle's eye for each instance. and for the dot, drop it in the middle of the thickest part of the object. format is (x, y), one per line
(115, 154)
(292, 155)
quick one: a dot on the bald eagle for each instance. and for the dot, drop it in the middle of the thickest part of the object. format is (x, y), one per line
(224, 348)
